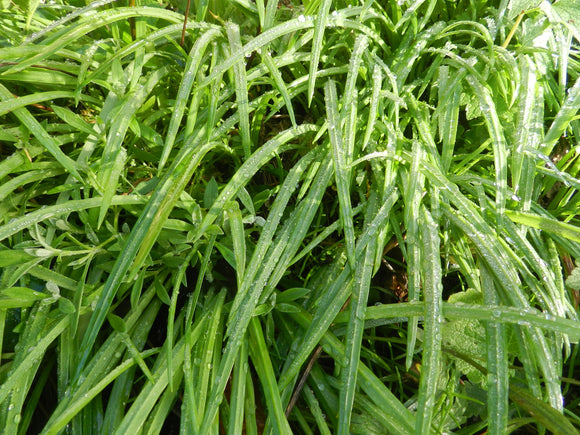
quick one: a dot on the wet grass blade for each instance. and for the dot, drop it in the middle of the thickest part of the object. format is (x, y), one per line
(241, 85)
(185, 87)
(319, 27)
(562, 120)
(498, 140)
(261, 359)
(497, 363)
(398, 419)
(358, 306)
(544, 223)
(342, 174)
(143, 236)
(41, 134)
(432, 292)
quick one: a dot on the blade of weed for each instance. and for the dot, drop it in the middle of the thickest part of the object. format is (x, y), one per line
(373, 109)
(248, 169)
(498, 140)
(87, 25)
(493, 313)
(248, 295)
(9, 105)
(413, 195)
(238, 239)
(319, 27)
(333, 300)
(144, 235)
(358, 306)
(398, 418)
(28, 220)
(191, 68)
(449, 93)
(39, 342)
(544, 223)
(261, 359)
(41, 134)
(497, 363)
(241, 85)
(342, 174)
(545, 414)
(238, 394)
(207, 349)
(432, 290)
(114, 155)
(277, 76)
(531, 103)
(562, 120)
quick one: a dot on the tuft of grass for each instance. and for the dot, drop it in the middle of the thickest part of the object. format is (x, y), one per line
(289, 217)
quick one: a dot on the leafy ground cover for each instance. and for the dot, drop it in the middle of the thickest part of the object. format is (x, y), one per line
(309, 217)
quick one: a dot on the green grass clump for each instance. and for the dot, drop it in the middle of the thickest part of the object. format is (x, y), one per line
(289, 217)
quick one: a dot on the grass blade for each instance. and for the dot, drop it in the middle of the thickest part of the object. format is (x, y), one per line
(261, 359)
(241, 84)
(497, 363)
(342, 174)
(432, 290)
(41, 134)
(143, 236)
(319, 27)
(190, 72)
(354, 336)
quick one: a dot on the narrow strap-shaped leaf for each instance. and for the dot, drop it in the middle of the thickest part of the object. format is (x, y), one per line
(373, 109)
(493, 313)
(277, 76)
(238, 239)
(531, 104)
(143, 236)
(113, 159)
(238, 392)
(207, 349)
(190, 71)
(413, 196)
(89, 24)
(8, 105)
(432, 291)
(41, 134)
(334, 298)
(241, 85)
(247, 171)
(550, 225)
(247, 298)
(290, 26)
(350, 96)
(547, 416)
(562, 120)
(31, 359)
(353, 343)
(319, 27)
(495, 130)
(341, 172)
(26, 221)
(263, 364)
(497, 362)
(449, 93)
(397, 417)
